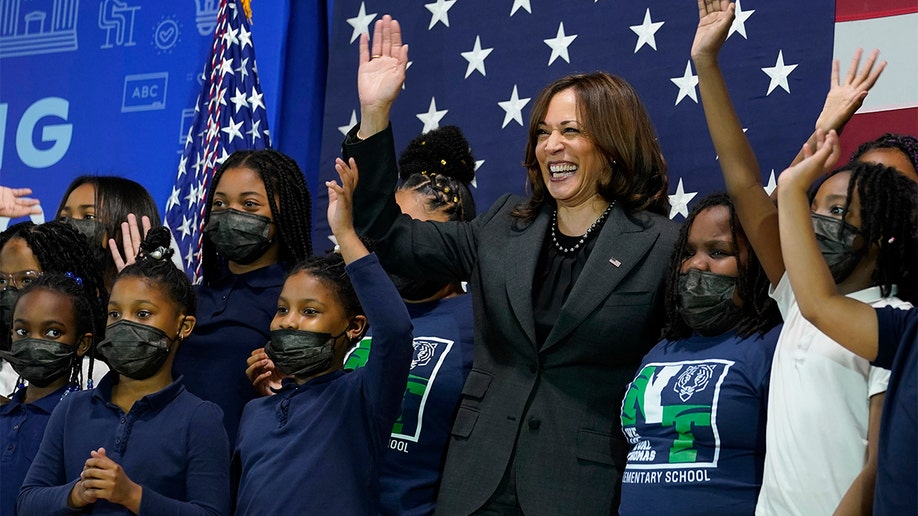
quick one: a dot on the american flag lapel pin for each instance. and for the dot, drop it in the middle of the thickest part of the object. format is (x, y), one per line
(615, 262)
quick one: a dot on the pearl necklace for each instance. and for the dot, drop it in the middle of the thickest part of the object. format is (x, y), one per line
(568, 250)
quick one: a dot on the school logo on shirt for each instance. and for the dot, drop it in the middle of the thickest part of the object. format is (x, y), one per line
(429, 354)
(676, 400)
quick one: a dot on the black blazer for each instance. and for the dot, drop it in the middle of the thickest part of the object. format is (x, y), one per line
(554, 410)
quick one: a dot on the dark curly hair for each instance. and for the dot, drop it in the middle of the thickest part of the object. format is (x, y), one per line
(153, 265)
(889, 219)
(613, 117)
(292, 213)
(439, 165)
(329, 270)
(61, 249)
(904, 143)
(760, 313)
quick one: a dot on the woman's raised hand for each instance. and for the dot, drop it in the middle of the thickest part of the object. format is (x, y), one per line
(380, 74)
(845, 97)
(714, 20)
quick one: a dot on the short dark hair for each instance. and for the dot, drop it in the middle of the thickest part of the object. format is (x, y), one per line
(153, 264)
(439, 165)
(329, 270)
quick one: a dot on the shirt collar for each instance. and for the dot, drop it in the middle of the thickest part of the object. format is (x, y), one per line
(289, 384)
(872, 294)
(271, 276)
(46, 404)
(156, 400)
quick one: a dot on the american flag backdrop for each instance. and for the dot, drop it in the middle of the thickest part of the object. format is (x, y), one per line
(229, 115)
(479, 64)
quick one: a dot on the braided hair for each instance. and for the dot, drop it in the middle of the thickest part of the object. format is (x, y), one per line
(760, 313)
(154, 265)
(292, 213)
(889, 219)
(329, 270)
(904, 143)
(439, 165)
(86, 310)
(61, 249)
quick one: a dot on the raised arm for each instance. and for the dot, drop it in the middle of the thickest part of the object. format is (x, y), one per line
(380, 75)
(756, 211)
(341, 209)
(849, 322)
(845, 98)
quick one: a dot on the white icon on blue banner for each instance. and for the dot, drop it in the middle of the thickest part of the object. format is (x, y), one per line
(144, 92)
(185, 125)
(166, 34)
(206, 15)
(46, 27)
(117, 20)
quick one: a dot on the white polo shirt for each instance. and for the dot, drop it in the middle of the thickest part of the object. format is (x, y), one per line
(818, 408)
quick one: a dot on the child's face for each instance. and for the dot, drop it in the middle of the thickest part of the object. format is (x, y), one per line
(16, 258)
(137, 300)
(47, 315)
(81, 203)
(306, 303)
(242, 189)
(891, 157)
(710, 246)
(832, 196)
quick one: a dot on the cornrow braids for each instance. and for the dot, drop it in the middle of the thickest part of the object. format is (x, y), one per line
(61, 249)
(329, 269)
(86, 310)
(760, 313)
(292, 212)
(154, 266)
(888, 219)
(905, 143)
(439, 165)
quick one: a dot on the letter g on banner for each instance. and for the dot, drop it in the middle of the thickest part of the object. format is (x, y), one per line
(58, 135)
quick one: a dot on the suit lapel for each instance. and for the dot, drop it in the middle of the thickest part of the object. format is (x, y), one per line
(521, 255)
(619, 247)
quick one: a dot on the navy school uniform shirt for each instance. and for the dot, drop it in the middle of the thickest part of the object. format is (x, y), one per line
(315, 448)
(695, 420)
(233, 318)
(171, 443)
(21, 427)
(443, 350)
(897, 455)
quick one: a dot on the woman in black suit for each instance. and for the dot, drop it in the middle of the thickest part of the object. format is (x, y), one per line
(566, 287)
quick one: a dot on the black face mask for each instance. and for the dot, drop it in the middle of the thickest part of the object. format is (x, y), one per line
(8, 298)
(40, 361)
(836, 241)
(135, 350)
(706, 302)
(416, 289)
(302, 353)
(92, 230)
(238, 236)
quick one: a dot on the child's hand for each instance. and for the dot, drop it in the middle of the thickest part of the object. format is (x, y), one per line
(714, 20)
(131, 237)
(814, 164)
(261, 372)
(340, 198)
(103, 478)
(845, 98)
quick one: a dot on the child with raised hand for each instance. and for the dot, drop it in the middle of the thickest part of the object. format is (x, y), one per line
(885, 336)
(138, 443)
(53, 327)
(813, 379)
(325, 430)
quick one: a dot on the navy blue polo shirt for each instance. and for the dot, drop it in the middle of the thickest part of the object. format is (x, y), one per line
(233, 318)
(315, 448)
(171, 443)
(897, 454)
(21, 427)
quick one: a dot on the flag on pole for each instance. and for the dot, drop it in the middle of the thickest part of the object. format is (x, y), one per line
(229, 115)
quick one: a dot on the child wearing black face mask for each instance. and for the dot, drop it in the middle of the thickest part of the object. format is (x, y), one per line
(257, 226)
(323, 433)
(53, 327)
(137, 443)
(698, 401)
